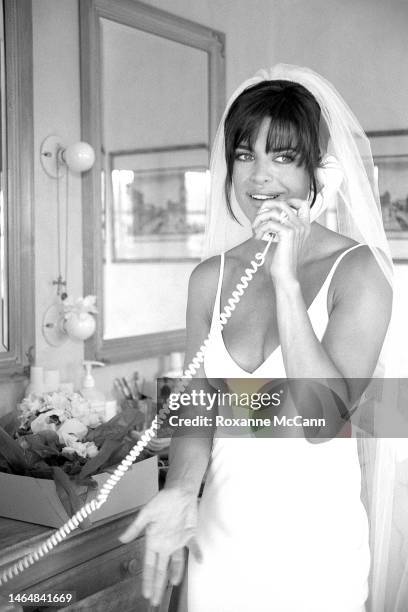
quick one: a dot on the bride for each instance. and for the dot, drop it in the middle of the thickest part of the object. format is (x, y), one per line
(280, 526)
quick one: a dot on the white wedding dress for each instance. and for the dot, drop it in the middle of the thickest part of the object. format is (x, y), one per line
(281, 524)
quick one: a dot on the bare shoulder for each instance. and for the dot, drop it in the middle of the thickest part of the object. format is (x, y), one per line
(206, 273)
(203, 283)
(357, 269)
(360, 274)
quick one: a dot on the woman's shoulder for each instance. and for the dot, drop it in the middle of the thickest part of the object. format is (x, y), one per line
(359, 272)
(357, 268)
(202, 287)
(206, 272)
(353, 256)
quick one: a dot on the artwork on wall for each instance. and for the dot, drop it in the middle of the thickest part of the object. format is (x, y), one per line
(158, 203)
(390, 153)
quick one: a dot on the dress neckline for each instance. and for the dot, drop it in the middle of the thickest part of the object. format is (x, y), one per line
(278, 347)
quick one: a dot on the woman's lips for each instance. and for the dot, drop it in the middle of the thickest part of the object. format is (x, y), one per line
(263, 196)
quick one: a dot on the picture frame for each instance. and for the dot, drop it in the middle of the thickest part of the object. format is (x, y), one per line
(158, 197)
(390, 154)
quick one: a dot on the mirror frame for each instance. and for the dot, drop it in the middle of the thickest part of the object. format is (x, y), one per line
(148, 19)
(19, 186)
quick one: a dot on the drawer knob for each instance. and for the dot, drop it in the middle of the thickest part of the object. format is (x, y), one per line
(131, 567)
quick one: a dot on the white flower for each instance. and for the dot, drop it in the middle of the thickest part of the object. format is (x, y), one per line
(91, 420)
(58, 401)
(30, 405)
(83, 449)
(81, 305)
(75, 447)
(43, 423)
(72, 426)
(69, 440)
(91, 449)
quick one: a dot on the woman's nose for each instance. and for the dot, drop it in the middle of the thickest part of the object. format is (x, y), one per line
(262, 173)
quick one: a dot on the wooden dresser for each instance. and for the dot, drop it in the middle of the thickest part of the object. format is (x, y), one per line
(104, 574)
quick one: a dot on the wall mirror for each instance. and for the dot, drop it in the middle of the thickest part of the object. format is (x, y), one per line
(153, 89)
(16, 177)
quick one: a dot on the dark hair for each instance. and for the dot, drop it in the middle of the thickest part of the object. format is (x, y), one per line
(295, 121)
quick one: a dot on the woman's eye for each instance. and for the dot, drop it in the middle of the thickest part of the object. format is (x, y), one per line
(243, 156)
(285, 158)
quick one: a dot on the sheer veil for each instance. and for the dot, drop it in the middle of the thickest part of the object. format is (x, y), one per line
(356, 212)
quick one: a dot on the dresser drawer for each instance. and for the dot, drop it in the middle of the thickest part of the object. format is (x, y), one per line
(122, 565)
(125, 596)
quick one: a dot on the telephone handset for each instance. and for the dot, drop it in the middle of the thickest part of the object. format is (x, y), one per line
(330, 175)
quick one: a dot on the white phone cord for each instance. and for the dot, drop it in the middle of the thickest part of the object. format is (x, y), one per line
(126, 463)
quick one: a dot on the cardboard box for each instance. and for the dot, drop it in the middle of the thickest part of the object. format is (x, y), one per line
(35, 500)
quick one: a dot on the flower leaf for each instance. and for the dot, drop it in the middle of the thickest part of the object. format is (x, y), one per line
(115, 429)
(68, 495)
(10, 422)
(12, 453)
(102, 458)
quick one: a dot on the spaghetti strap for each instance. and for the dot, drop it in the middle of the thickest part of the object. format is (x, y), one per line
(336, 263)
(216, 308)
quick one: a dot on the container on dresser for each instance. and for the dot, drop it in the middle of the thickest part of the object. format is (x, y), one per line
(35, 500)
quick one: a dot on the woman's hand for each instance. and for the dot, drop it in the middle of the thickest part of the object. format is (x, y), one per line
(170, 520)
(290, 221)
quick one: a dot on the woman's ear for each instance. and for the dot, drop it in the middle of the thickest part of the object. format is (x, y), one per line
(329, 175)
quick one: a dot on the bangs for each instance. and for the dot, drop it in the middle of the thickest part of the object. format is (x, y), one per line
(286, 132)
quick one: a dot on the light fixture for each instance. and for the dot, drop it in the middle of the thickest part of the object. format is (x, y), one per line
(55, 156)
(64, 319)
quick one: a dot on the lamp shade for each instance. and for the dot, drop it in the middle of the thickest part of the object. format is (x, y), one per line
(79, 156)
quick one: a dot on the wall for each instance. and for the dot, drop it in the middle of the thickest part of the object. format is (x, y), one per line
(361, 46)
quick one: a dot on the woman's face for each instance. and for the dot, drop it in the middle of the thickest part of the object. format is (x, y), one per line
(259, 176)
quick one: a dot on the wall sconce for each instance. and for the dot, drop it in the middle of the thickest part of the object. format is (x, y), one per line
(55, 156)
(65, 319)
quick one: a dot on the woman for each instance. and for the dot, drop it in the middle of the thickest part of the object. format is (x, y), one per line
(281, 525)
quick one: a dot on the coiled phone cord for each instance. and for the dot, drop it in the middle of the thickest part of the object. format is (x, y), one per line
(72, 524)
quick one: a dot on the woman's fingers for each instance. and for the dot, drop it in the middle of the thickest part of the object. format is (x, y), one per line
(136, 527)
(160, 579)
(176, 567)
(149, 572)
(195, 549)
(274, 226)
(274, 211)
(303, 209)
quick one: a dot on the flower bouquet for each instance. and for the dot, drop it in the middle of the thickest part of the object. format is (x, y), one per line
(59, 436)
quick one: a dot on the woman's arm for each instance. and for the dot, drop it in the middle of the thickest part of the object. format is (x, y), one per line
(347, 356)
(349, 350)
(189, 454)
(170, 517)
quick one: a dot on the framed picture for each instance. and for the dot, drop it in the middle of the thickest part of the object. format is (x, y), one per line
(390, 153)
(158, 203)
